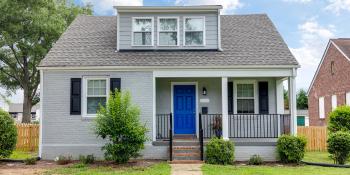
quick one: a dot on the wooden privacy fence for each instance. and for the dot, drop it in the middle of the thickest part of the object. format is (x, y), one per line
(316, 137)
(27, 137)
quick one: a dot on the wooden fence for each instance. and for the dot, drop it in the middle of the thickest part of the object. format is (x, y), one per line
(27, 137)
(316, 137)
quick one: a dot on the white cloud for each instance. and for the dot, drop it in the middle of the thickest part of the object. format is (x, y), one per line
(298, 1)
(336, 6)
(228, 5)
(314, 39)
(105, 7)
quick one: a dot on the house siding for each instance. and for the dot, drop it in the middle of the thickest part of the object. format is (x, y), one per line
(325, 85)
(125, 30)
(65, 134)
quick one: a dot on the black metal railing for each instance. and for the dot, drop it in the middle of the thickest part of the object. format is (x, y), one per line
(212, 125)
(258, 125)
(171, 138)
(201, 137)
(163, 126)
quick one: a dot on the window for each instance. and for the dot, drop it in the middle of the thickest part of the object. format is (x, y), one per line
(194, 31)
(321, 107)
(14, 115)
(96, 92)
(332, 67)
(348, 98)
(142, 31)
(168, 28)
(245, 93)
(33, 115)
(334, 102)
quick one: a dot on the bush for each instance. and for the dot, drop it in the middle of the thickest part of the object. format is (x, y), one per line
(339, 119)
(8, 134)
(63, 160)
(255, 160)
(339, 146)
(30, 161)
(220, 151)
(119, 124)
(89, 159)
(291, 149)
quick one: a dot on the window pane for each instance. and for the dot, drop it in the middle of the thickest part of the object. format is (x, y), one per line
(96, 87)
(168, 24)
(142, 38)
(245, 90)
(168, 38)
(93, 104)
(194, 24)
(245, 106)
(194, 38)
(142, 25)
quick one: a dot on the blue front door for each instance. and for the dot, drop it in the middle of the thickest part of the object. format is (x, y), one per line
(184, 109)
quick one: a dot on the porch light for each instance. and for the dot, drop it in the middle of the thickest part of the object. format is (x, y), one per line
(204, 91)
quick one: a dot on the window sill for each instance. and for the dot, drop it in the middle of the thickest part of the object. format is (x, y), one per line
(88, 117)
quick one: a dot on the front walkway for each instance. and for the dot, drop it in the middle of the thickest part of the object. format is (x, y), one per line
(186, 169)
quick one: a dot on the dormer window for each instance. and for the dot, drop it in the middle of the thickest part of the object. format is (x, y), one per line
(168, 31)
(142, 31)
(194, 31)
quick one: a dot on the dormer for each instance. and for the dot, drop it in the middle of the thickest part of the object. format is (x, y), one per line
(168, 28)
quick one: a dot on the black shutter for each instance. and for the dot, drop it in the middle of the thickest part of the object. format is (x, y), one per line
(115, 84)
(230, 97)
(75, 96)
(263, 97)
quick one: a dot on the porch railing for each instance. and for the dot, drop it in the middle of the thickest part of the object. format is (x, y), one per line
(163, 126)
(258, 125)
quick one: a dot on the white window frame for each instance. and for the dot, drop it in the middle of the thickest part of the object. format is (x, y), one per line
(235, 97)
(334, 102)
(177, 29)
(132, 31)
(184, 31)
(84, 101)
(321, 110)
(347, 98)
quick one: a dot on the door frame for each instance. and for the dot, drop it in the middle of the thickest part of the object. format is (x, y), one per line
(195, 83)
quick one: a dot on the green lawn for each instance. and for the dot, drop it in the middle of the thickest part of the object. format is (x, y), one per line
(272, 170)
(157, 169)
(22, 155)
(319, 157)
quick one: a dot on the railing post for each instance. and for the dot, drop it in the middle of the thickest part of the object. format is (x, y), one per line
(201, 136)
(171, 138)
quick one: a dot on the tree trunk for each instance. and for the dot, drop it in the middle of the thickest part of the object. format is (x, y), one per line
(27, 106)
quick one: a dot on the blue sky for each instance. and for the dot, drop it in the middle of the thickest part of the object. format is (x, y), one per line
(305, 25)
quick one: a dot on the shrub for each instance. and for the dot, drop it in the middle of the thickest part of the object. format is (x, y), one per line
(8, 134)
(255, 160)
(89, 159)
(339, 119)
(220, 151)
(30, 161)
(339, 146)
(119, 124)
(63, 160)
(291, 149)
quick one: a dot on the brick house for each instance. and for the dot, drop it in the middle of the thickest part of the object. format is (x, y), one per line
(330, 86)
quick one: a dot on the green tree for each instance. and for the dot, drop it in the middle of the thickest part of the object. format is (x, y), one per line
(302, 100)
(286, 99)
(28, 30)
(119, 123)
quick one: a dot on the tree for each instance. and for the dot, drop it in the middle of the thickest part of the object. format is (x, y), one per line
(28, 30)
(119, 123)
(302, 100)
(286, 99)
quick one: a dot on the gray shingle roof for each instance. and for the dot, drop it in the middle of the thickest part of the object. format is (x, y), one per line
(246, 40)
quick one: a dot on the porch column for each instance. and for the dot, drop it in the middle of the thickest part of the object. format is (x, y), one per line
(224, 104)
(279, 101)
(293, 103)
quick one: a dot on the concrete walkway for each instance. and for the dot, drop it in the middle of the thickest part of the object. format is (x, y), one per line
(186, 169)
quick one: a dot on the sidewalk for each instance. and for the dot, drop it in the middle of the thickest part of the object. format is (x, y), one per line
(186, 169)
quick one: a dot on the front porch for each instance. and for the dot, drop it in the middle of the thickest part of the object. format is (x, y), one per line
(243, 109)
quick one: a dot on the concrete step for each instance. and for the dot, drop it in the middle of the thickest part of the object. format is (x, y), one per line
(186, 158)
(185, 143)
(186, 162)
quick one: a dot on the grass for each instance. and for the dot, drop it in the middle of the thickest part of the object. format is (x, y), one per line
(319, 157)
(79, 169)
(272, 170)
(22, 155)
